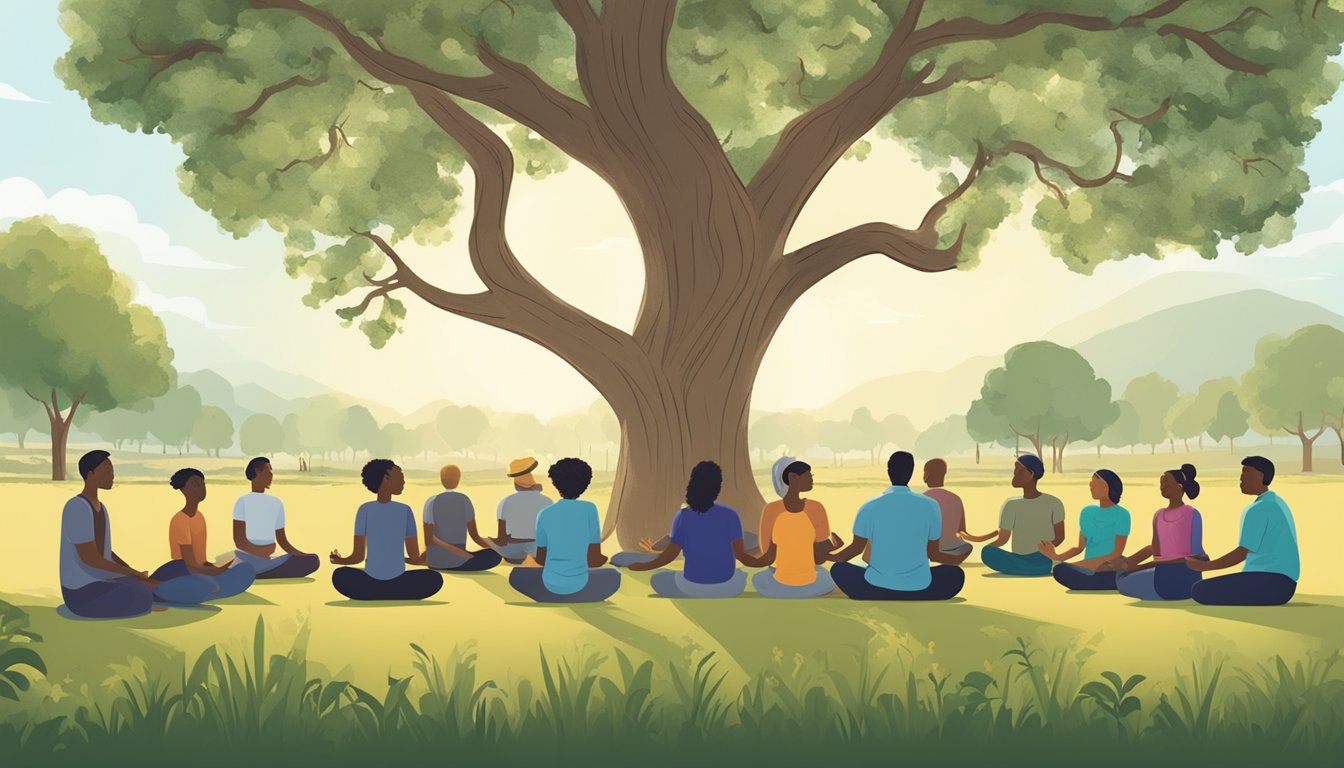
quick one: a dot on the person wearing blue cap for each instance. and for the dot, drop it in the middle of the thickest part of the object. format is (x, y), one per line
(1028, 521)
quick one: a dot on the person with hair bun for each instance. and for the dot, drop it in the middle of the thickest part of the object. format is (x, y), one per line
(199, 579)
(1103, 530)
(1178, 533)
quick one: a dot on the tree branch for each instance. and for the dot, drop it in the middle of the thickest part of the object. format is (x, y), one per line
(955, 74)
(297, 81)
(335, 138)
(800, 270)
(45, 405)
(928, 226)
(165, 59)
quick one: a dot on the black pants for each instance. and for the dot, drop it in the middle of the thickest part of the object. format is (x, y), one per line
(356, 584)
(1081, 580)
(480, 561)
(1245, 588)
(292, 568)
(947, 582)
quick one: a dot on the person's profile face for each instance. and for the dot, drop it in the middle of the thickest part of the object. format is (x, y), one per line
(1168, 486)
(801, 483)
(194, 490)
(265, 475)
(1021, 475)
(395, 481)
(103, 475)
(1251, 480)
(1097, 487)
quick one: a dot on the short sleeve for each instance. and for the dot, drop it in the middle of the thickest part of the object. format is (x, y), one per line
(1254, 526)
(678, 524)
(1057, 514)
(471, 510)
(935, 521)
(863, 523)
(766, 535)
(542, 525)
(1006, 516)
(427, 514)
(594, 526)
(77, 522)
(280, 516)
(410, 521)
(1122, 529)
(362, 522)
(240, 508)
(735, 525)
(179, 531)
(820, 522)
(499, 510)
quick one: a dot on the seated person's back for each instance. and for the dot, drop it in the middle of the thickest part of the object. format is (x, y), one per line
(567, 529)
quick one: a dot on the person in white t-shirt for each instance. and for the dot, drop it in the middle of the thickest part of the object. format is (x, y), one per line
(259, 527)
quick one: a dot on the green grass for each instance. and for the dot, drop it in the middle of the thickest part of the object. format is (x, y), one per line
(220, 708)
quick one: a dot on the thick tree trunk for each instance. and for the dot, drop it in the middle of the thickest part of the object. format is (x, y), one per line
(60, 432)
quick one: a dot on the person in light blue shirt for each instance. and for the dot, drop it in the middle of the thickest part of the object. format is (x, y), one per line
(1103, 531)
(1267, 546)
(383, 530)
(569, 545)
(903, 529)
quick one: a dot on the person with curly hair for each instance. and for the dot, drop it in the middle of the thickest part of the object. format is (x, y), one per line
(383, 528)
(569, 545)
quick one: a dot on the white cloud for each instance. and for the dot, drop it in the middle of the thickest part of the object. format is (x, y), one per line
(10, 93)
(189, 307)
(104, 214)
(1336, 186)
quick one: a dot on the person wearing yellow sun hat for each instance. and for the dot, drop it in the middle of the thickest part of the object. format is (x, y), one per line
(517, 513)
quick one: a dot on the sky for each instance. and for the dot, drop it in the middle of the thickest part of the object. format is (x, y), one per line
(225, 299)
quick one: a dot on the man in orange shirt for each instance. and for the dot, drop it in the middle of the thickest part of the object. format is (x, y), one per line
(187, 545)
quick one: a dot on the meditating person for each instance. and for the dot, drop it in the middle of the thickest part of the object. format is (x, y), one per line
(569, 545)
(516, 539)
(187, 546)
(383, 529)
(1267, 545)
(710, 535)
(1178, 533)
(1103, 530)
(95, 582)
(953, 511)
(1027, 521)
(449, 518)
(796, 538)
(259, 527)
(903, 529)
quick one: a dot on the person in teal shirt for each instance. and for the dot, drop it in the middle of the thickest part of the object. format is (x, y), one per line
(1103, 530)
(1267, 545)
(569, 545)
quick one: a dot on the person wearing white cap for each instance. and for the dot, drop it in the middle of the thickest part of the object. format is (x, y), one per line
(795, 537)
(517, 513)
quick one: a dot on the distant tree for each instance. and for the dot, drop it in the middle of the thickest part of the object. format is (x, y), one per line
(526, 433)
(896, 430)
(1124, 431)
(261, 435)
(1048, 394)
(1152, 397)
(461, 427)
(172, 417)
(1292, 385)
(869, 431)
(430, 440)
(71, 336)
(121, 425)
(944, 438)
(841, 437)
(19, 415)
(1183, 420)
(359, 430)
(792, 432)
(213, 430)
(400, 441)
(985, 426)
(1207, 399)
(1229, 421)
(1336, 393)
(319, 424)
(293, 441)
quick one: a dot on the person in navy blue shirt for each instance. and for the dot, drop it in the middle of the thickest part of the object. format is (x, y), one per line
(903, 529)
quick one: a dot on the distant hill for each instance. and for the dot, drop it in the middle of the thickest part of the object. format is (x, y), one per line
(1195, 342)
(1162, 292)
(924, 397)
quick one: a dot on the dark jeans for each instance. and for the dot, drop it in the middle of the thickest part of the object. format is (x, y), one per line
(602, 583)
(947, 582)
(1083, 580)
(292, 568)
(356, 584)
(1245, 588)
(480, 561)
(118, 598)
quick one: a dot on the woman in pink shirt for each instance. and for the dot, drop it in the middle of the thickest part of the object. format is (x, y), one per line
(1178, 532)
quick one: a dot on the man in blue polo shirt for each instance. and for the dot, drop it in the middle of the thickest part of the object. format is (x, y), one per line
(1267, 545)
(903, 529)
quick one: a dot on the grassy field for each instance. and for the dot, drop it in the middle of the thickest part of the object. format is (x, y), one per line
(366, 643)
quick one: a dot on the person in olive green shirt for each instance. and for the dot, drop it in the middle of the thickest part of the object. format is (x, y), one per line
(1026, 522)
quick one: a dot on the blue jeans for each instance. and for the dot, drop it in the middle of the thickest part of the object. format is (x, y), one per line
(602, 584)
(674, 584)
(767, 586)
(1083, 580)
(1165, 581)
(180, 585)
(1245, 588)
(947, 581)
(483, 560)
(1003, 561)
(283, 566)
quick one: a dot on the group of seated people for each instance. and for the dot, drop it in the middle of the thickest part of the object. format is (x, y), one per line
(912, 544)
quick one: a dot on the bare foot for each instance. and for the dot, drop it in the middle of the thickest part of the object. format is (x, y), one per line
(158, 609)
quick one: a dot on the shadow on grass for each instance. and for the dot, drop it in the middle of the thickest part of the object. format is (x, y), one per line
(82, 649)
(383, 603)
(1318, 616)
(246, 598)
(283, 582)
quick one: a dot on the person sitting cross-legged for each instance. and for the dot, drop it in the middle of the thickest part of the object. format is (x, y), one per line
(1103, 530)
(1267, 545)
(795, 536)
(903, 529)
(259, 528)
(516, 539)
(1028, 521)
(569, 545)
(187, 543)
(953, 511)
(449, 518)
(710, 535)
(383, 529)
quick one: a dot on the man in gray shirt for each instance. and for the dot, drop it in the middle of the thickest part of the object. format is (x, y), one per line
(1027, 521)
(449, 518)
(517, 513)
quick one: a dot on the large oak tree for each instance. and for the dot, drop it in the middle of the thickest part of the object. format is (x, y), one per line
(1133, 127)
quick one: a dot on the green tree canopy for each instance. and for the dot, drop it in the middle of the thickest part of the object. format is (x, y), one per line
(172, 417)
(1183, 420)
(1229, 420)
(359, 431)
(71, 335)
(19, 415)
(946, 437)
(1124, 431)
(1152, 398)
(1292, 384)
(261, 435)
(120, 425)
(793, 433)
(461, 426)
(213, 430)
